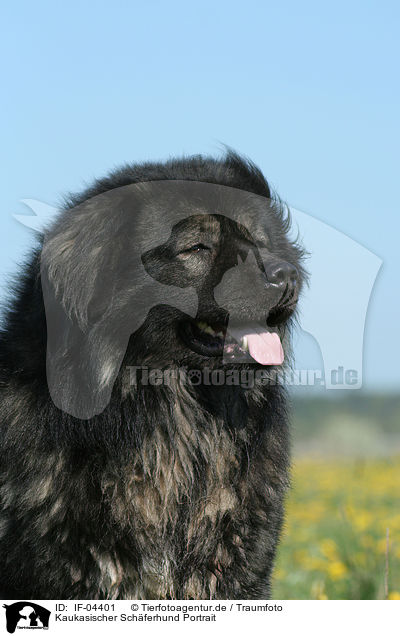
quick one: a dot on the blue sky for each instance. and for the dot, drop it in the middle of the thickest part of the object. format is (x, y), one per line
(308, 90)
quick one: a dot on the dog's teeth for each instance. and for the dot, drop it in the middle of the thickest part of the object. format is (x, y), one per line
(206, 328)
(203, 326)
(244, 344)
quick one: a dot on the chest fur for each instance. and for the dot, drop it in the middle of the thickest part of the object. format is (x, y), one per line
(179, 506)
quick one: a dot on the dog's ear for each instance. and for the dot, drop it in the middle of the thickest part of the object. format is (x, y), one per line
(84, 351)
(76, 256)
(81, 363)
(97, 293)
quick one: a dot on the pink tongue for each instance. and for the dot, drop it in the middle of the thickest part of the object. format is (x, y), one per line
(265, 347)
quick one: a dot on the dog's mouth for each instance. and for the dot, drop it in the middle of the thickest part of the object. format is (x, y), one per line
(235, 343)
(203, 338)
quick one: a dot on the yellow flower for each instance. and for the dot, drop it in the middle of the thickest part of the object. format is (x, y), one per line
(329, 548)
(337, 570)
(394, 596)
(362, 519)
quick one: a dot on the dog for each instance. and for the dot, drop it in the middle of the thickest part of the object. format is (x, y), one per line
(144, 429)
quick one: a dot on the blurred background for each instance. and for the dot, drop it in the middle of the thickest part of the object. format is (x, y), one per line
(310, 92)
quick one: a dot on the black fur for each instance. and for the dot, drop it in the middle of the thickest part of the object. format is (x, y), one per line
(173, 491)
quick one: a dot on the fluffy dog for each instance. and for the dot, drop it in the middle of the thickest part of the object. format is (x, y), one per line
(144, 434)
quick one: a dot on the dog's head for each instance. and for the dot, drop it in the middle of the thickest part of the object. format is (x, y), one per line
(246, 291)
(164, 274)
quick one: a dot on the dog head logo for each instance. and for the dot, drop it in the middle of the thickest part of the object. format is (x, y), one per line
(98, 292)
(25, 615)
(145, 259)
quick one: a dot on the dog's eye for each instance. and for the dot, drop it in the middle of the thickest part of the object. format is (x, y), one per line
(195, 249)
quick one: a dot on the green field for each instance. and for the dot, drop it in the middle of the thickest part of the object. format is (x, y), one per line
(342, 531)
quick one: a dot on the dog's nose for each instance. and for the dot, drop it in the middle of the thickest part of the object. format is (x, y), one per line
(281, 273)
